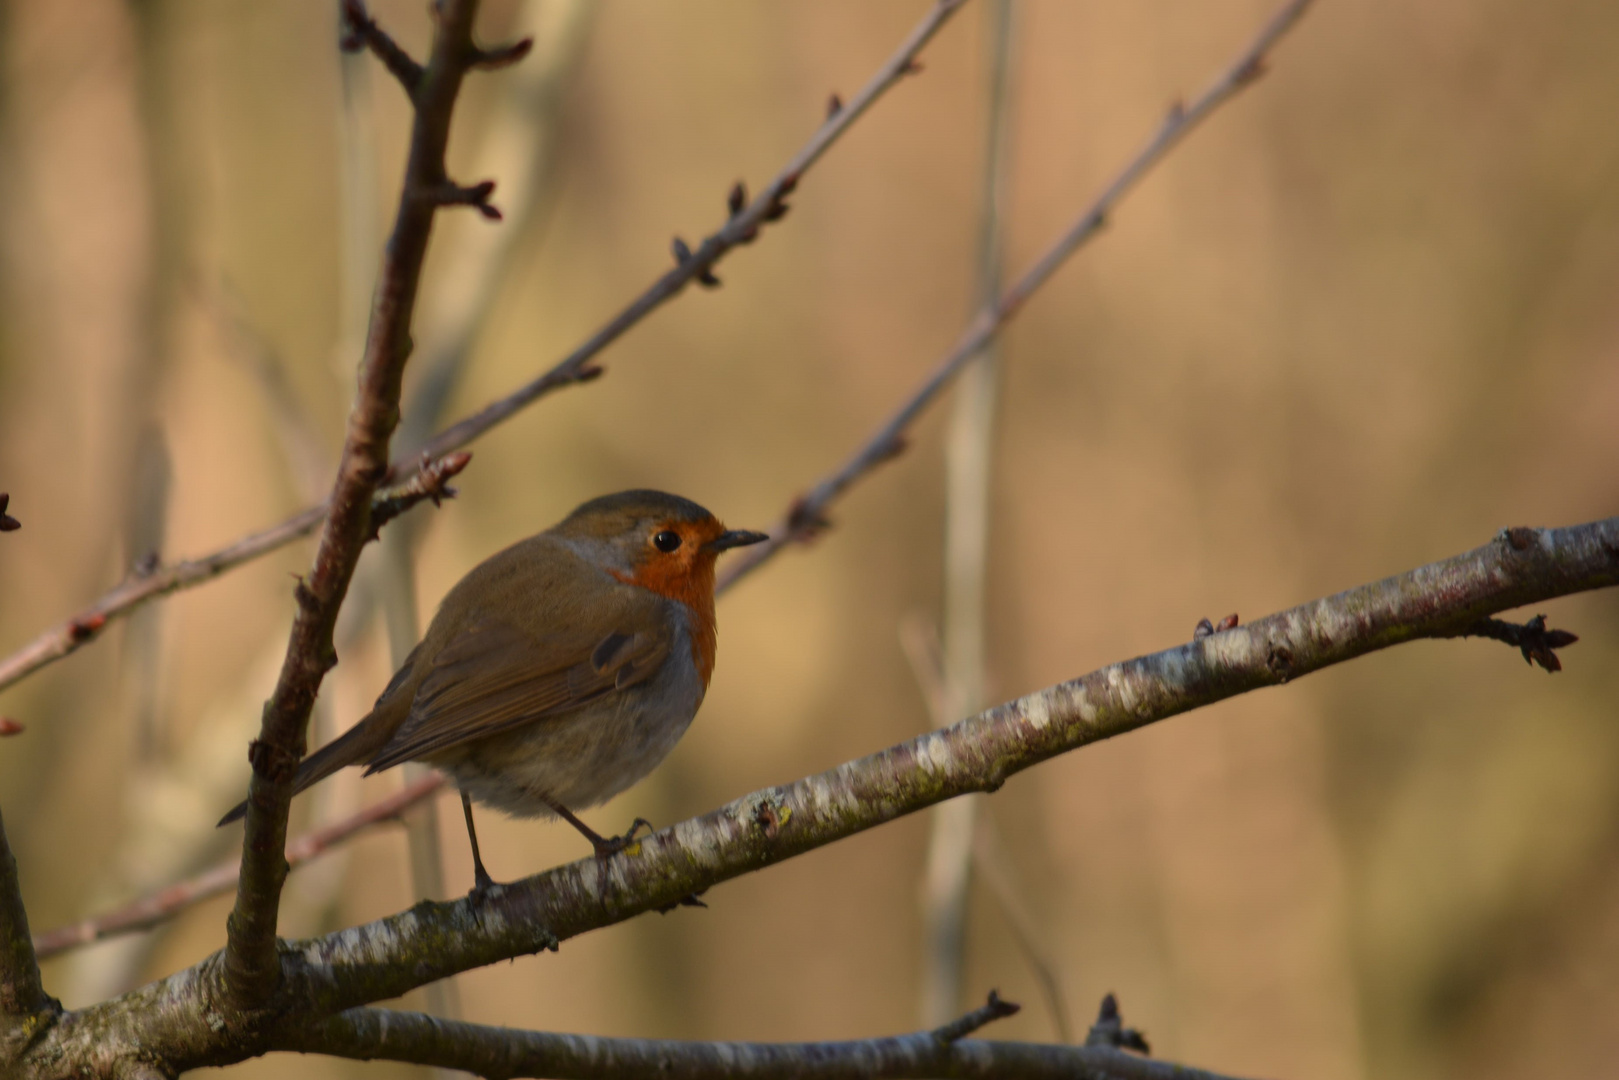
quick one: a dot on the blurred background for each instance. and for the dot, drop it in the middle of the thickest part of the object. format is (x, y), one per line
(1359, 322)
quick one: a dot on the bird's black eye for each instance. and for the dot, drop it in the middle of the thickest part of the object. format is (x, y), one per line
(666, 541)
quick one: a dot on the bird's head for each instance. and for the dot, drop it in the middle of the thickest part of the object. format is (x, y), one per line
(657, 541)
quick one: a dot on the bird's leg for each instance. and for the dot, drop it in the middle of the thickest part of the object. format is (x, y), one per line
(604, 845)
(612, 845)
(482, 882)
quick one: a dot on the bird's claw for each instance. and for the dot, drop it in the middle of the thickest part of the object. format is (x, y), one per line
(482, 885)
(607, 846)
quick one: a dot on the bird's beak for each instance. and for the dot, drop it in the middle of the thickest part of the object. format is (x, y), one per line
(733, 538)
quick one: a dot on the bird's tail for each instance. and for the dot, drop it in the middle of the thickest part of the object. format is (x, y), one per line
(351, 748)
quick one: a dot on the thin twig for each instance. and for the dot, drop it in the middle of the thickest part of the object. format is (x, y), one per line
(992, 1010)
(1531, 638)
(306, 453)
(431, 482)
(807, 516)
(250, 963)
(573, 369)
(360, 31)
(370, 1034)
(921, 646)
(994, 864)
(969, 460)
(1109, 1029)
(160, 906)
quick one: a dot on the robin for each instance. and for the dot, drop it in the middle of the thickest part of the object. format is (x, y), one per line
(559, 671)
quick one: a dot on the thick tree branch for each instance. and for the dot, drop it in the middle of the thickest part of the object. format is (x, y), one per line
(250, 964)
(384, 959)
(369, 1034)
(806, 517)
(741, 227)
(388, 957)
(162, 905)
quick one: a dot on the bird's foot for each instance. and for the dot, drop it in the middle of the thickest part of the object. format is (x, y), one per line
(482, 884)
(607, 846)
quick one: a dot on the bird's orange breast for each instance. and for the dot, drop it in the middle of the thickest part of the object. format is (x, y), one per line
(693, 585)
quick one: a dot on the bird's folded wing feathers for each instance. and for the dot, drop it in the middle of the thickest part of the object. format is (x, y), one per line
(492, 677)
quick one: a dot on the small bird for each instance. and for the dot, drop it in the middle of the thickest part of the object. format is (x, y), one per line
(559, 671)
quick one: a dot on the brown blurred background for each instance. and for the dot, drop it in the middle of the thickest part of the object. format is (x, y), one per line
(1361, 321)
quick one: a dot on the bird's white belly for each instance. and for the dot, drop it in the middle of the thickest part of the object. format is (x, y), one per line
(584, 757)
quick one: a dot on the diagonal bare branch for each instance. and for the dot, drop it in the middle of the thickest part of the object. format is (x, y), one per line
(807, 516)
(741, 227)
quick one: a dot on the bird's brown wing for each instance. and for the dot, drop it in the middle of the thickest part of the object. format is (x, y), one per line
(492, 677)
